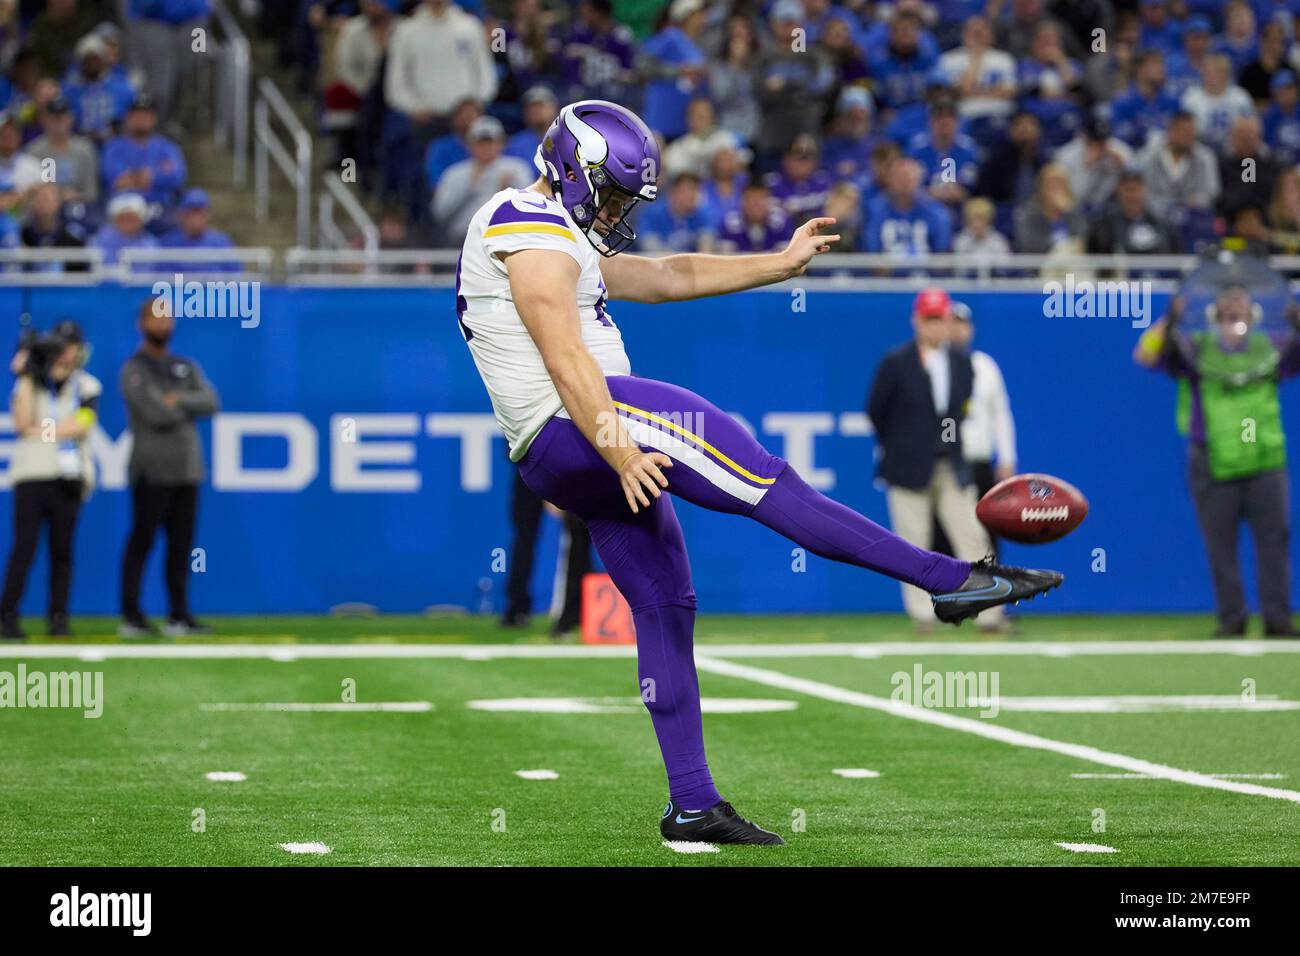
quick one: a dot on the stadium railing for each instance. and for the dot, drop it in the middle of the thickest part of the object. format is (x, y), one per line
(337, 194)
(225, 82)
(294, 160)
(370, 265)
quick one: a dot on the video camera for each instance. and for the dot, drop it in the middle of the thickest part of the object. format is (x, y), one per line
(44, 348)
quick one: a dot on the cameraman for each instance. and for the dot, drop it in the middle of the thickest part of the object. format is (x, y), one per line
(1232, 374)
(54, 405)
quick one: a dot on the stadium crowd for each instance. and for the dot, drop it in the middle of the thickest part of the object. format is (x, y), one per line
(969, 126)
(87, 88)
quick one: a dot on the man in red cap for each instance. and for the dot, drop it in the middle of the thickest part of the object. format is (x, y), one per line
(917, 404)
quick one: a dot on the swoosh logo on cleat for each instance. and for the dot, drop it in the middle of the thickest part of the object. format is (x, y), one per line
(1000, 587)
(682, 819)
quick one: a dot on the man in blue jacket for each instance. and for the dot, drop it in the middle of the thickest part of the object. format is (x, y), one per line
(142, 160)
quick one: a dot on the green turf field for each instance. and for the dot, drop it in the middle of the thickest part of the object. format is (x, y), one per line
(1180, 770)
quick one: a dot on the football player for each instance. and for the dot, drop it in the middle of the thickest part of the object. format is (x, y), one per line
(536, 274)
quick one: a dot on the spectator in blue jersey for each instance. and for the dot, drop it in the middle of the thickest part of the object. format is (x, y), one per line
(160, 35)
(194, 232)
(1183, 68)
(679, 222)
(903, 221)
(818, 15)
(758, 225)
(540, 107)
(1050, 83)
(445, 151)
(1282, 118)
(796, 82)
(984, 80)
(949, 163)
(675, 67)
(1258, 74)
(875, 33)
(1051, 221)
(1147, 107)
(98, 99)
(1160, 31)
(1238, 41)
(142, 160)
(127, 215)
(901, 66)
(800, 186)
(846, 151)
(599, 54)
(726, 181)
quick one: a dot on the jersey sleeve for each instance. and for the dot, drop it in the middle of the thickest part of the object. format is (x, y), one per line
(523, 223)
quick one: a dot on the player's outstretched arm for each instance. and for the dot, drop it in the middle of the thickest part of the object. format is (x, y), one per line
(696, 275)
(544, 284)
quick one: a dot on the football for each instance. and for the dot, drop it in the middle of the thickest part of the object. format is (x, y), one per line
(1032, 509)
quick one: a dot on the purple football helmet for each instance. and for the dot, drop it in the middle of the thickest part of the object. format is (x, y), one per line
(600, 160)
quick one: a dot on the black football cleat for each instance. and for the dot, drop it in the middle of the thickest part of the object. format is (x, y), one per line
(718, 824)
(988, 586)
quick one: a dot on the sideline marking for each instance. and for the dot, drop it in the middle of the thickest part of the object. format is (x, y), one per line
(984, 728)
(226, 776)
(1087, 848)
(537, 774)
(480, 652)
(856, 773)
(320, 848)
(685, 846)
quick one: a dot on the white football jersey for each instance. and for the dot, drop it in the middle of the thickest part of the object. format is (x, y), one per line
(523, 396)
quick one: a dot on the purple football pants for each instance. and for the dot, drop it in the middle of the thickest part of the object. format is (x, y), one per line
(718, 465)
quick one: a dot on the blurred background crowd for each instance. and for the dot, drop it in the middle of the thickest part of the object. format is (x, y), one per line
(969, 126)
(93, 98)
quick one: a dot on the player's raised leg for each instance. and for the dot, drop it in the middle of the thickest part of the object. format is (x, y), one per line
(720, 466)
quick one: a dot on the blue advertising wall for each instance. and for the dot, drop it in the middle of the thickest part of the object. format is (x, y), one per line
(302, 523)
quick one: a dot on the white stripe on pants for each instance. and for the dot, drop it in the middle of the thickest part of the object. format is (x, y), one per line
(912, 513)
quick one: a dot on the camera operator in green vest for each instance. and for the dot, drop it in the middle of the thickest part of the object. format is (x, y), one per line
(54, 406)
(1236, 445)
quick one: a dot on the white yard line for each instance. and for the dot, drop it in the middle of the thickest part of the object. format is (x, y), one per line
(1145, 776)
(299, 707)
(984, 728)
(483, 652)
